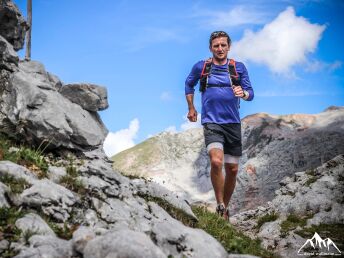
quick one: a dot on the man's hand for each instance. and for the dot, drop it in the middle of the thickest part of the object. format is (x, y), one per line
(238, 91)
(192, 115)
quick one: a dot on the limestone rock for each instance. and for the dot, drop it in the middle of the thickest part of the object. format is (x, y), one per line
(180, 241)
(37, 112)
(34, 224)
(155, 190)
(3, 200)
(8, 57)
(12, 24)
(55, 173)
(90, 97)
(81, 237)
(53, 199)
(46, 246)
(17, 171)
(55, 81)
(314, 195)
(122, 244)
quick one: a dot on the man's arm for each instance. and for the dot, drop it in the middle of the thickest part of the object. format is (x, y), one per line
(245, 90)
(190, 83)
(192, 114)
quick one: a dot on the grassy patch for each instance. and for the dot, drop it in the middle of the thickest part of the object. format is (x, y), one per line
(64, 231)
(311, 172)
(71, 181)
(332, 231)
(266, 218)
(32, 159)
(292, 222)
(73, 184)
(176, 213)
(17, 185)
(232, 240)
(8, 217)
(311, 180)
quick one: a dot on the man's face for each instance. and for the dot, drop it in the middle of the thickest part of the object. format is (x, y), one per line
(219, 47)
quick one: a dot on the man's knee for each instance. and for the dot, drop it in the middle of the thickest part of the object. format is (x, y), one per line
(232, 169)
(216, 162)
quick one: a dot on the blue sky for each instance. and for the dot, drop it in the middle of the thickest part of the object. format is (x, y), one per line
(142, 52)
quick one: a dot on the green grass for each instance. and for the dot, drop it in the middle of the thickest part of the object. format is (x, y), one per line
(232, 240)
(311, 180)
(17, 185)
(176, 213)
(311, 172)
(71, 181)
(8, 217)
(266, 218)
(31, 158)
(64, 231)
(292, 222)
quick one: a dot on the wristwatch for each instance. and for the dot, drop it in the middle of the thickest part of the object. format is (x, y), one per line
(245, 94)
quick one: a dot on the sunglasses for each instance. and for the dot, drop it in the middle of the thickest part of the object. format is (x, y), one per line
(216, 34)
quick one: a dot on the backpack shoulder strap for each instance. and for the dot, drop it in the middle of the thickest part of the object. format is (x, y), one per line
(204, 74)
(206, 67)
(234, 76)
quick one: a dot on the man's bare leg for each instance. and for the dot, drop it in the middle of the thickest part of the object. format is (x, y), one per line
(217, 178)
(230, 181)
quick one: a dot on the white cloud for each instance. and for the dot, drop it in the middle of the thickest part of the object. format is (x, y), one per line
(188, 125)
(317, 66)
(166, 96)
(123, 139)
(236, 16)
(280, 44)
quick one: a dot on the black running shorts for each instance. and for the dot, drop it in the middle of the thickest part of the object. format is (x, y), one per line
(228, 134)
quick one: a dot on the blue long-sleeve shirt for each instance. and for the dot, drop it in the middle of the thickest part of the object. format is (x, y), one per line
(219, 105)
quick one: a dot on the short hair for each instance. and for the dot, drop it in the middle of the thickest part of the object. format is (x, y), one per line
(218, 34)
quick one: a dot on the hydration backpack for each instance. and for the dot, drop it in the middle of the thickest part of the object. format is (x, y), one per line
(233, 75)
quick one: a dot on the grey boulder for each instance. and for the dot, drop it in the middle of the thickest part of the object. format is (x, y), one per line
(12, 24)
(122, 244)
(56, 173)
(53, 199)
(34, 224)
(90, 97)
(8, 57)
(46, 246)
(34, 110)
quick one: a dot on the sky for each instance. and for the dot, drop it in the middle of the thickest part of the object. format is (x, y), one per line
(142, 51)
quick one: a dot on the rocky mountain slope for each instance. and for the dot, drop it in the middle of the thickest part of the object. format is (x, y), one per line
(273, 147)
(70, 202)
(309, 202)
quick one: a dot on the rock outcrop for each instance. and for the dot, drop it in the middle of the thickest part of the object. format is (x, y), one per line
(32, 108)
(309, 200)
(90, 97)
(12, 24)
(273, 147)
